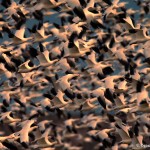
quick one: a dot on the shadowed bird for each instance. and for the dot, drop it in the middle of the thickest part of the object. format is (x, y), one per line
(44, 141)
(64, 85)
(3, 147)
(6, 96)
(136, 139)
(131, 117)
(120, 102)
(74, 74)
(87, 118)
(142, 107)
(104, 103)
(43, 125)
(129, 23)
(55, 52)
(4, 49)
(11, 144)
(38, 15)
(62, 64)
(139, 35)
(123, 131)
(88, 105)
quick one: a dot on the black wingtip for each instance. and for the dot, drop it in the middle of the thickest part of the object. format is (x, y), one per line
(139, 86)
(6, 104)
(79, 12)
(25, 145)
(108, 70)
(69, 94)
(102, 102)
(108, 94)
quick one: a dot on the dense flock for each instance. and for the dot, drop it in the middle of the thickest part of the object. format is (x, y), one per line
(74, 74)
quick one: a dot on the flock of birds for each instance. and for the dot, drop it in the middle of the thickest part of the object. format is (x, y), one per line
(77, 81)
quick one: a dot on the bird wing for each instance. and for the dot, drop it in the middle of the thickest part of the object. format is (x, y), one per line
(20, 33)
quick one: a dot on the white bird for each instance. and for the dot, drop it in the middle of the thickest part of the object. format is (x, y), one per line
(122, 86)
(44, 59)
(129, 23)
(46, 103)
(59, 101)
(60, 35)
(142, 107)
(12, 9)
(19, 36)
(146, 49)
(131, 117)
(141, 96)
(23, 134)
(63, 82)
(109, 81)
(136, 140)
(120, 54)
(120, 102)
(26, 67)
(98, 92)
(70, 123)
(73, 4)
(7, 117)
(62, 64)
(91, 16)
(75, 27)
